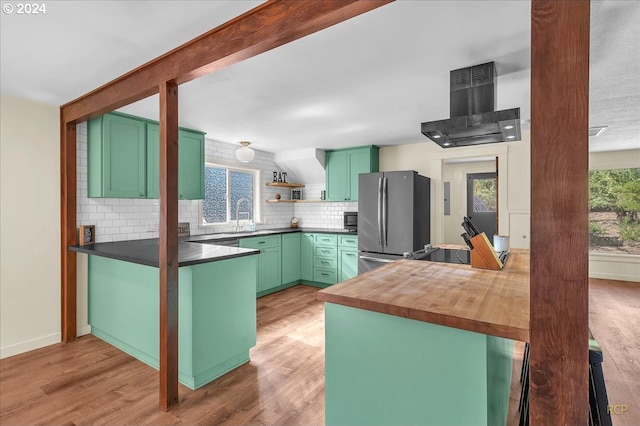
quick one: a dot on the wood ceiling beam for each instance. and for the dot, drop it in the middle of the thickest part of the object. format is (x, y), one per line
(263, 28)
(559, 324)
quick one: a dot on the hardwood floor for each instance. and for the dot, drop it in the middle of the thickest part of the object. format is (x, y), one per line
(91, 382)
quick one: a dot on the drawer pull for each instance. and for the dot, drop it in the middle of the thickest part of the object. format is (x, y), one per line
(350, 254)
(324, 274)
(261, 242)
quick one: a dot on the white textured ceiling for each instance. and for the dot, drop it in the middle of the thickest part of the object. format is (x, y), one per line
(370, 80)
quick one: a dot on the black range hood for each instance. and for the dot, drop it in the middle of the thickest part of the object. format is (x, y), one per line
(474, 120)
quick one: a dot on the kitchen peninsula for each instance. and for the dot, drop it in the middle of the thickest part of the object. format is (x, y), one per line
(427, 343)
(216, 297)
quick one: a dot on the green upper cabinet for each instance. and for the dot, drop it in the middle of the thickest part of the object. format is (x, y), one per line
(190, 163)
(343, 168)
(337, 166)
(153, 160)
(124, 159)
(290, 258)
(116, 163)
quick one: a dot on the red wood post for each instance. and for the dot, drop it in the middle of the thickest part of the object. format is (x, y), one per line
(559, 212)
(168, 255)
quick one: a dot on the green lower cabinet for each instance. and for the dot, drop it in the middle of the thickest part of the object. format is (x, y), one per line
(325, 259)
(386, 370)
(216, 313)
(290, 258)
(270, 268)
(347, 264)
(347, 257)
(306, 256)
(269, 260)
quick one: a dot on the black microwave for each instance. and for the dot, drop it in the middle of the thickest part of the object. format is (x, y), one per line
(351, 221)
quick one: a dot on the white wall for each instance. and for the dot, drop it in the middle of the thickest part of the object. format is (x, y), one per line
(30, 226)
(456, 175)
(428, 159)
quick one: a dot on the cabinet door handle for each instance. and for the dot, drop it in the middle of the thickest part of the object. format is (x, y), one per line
(141, 194)
(261, 242)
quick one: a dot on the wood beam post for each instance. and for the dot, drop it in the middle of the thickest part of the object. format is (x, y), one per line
(168, 255)
(68, 233)
(559, 212)
(263, 28)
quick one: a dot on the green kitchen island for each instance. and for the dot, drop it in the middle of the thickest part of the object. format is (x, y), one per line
(424, 343)
(216, 304)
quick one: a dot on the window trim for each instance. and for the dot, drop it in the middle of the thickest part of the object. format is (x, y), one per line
(233, 166)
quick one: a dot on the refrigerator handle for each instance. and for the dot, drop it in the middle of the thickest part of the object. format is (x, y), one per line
(380, 212)
(385, 207)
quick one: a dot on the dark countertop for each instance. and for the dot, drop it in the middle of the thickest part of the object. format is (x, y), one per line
(145, 252)
(191, 251)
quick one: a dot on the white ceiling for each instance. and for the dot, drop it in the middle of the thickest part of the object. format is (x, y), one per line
(370, 80)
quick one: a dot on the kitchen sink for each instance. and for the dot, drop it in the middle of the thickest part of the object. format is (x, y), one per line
(218, 238)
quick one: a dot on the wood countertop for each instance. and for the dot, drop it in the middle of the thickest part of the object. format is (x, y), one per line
(489, 302)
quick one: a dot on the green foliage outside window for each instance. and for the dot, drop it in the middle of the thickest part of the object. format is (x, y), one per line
(615, 190)
(614, 204)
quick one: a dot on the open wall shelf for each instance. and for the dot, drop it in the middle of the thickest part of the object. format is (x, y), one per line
(286, 185)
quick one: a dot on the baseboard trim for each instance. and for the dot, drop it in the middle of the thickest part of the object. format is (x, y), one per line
(615, 277)
(83, 330)
(29, 345)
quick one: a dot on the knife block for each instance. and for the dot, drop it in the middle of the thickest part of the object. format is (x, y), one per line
(483, 256)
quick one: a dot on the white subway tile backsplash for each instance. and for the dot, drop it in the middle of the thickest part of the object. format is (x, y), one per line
(119, 219)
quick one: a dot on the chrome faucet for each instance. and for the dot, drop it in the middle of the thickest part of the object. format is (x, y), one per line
(238, 211)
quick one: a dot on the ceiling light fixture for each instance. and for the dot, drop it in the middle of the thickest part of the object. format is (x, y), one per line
(437, 136)
(511, 137)
(245, 154)
(597, 131)
(509, 127)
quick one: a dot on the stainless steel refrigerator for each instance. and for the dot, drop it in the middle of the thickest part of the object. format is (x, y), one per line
(393, 216)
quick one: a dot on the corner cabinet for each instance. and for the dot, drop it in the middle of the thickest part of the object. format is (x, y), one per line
(343, 167)
(290, 258)
(269, 260)
(190, 163)
(116, 163)
(307, 243)
(123, 159)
